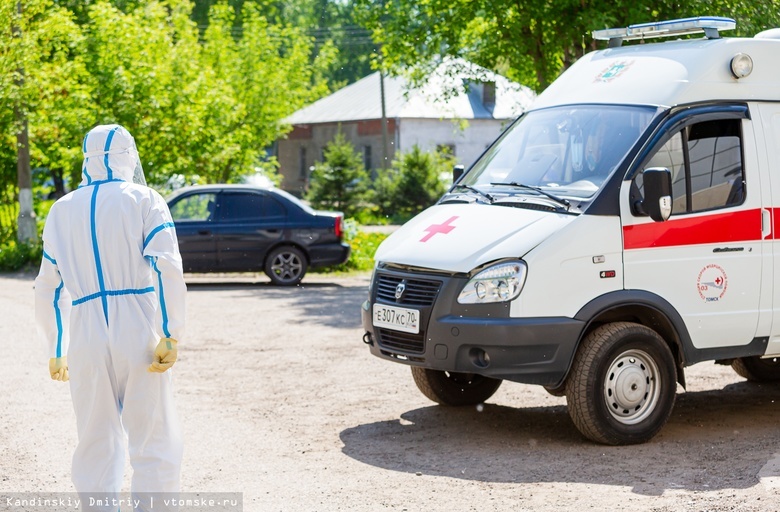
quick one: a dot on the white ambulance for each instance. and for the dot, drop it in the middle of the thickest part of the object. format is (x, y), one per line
(625, 227)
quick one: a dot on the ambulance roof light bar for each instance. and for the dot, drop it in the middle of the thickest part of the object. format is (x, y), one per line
(710, 25)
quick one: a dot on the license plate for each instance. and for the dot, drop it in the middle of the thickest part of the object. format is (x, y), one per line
(397, 319)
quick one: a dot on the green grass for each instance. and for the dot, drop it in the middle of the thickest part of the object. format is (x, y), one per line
(361, 259)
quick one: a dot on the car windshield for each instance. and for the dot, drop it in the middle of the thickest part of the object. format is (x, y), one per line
(567, 152)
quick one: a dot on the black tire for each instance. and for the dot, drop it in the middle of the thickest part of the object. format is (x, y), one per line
(756, 369)
(286, 266)
(622, 385)
(449, 388)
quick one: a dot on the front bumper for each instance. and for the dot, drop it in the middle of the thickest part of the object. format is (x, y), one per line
(480, 339)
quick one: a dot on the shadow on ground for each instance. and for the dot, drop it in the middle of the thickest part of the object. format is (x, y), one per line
(714, 440)
(331, 304)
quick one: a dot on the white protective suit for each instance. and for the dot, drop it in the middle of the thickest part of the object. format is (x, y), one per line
(110, 286)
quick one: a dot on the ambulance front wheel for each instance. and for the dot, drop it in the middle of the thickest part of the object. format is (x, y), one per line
(622, 385)
(757, 369)
(450, 388)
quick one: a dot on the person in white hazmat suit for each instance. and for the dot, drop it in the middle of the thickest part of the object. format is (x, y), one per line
(110, 302)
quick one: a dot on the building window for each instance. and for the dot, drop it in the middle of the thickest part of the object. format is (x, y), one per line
(489, 94)
(302, 163)
(367, 162)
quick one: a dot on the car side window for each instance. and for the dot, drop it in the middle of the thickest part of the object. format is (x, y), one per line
(194, 207)
(705, 160)
(273, 208)
(240, 207)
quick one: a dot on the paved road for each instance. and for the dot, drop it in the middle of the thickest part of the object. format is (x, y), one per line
(283, 403)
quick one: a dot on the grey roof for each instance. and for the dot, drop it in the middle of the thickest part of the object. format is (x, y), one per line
(442, 96)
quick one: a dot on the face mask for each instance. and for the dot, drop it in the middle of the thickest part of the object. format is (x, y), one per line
(138, 171)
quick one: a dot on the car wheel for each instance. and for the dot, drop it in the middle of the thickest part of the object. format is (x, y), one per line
(285, 266)
(449, 388)
(756, 369)
(622, 385)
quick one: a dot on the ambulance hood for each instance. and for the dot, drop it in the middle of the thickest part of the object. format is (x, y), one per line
(460, 237)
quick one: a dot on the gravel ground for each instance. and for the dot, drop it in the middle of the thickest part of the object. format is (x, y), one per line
(282, 402)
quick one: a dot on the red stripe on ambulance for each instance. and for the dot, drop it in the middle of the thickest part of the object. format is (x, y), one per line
(742, 226)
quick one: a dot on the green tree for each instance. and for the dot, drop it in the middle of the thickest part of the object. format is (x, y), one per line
(41, 87)
(328, 22)
(199, 106)
(59, 107)
(340, 181)
(532, 41)
(414, 182)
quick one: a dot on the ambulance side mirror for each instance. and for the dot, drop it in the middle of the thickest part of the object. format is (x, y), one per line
(457, 172)
(658, 193)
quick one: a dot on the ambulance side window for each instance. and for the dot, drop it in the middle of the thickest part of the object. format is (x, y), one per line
(671, 156)
(716, 164)
(705, 160)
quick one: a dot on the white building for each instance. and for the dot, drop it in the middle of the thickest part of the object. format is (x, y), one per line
(461, 106)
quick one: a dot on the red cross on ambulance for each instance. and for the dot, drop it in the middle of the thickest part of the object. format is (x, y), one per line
(443, 228)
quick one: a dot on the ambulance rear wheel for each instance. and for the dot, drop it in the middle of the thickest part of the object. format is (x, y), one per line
(622, 385)
(450, 388)
(756, 369)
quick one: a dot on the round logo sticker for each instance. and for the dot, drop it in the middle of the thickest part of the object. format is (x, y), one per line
(712, 283)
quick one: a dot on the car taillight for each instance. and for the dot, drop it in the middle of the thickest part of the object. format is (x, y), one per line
(338, 228)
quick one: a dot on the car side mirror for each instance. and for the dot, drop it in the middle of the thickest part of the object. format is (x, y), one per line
(457, 172)
(658, 193)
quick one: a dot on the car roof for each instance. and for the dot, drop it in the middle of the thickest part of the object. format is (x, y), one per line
(220, 187)
(217, 187)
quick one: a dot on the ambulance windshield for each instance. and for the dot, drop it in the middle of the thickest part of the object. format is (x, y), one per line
(566, 151)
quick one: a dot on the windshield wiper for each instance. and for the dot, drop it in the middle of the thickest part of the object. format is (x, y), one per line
(555, 198)
(469, 187)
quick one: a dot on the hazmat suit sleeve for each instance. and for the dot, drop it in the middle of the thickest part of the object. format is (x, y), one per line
(161, 248)
(52, 302)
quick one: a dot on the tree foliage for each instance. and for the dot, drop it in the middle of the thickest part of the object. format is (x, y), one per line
(197, 107)
(340, 181)
(202, 104)
(532, 41)
(414, 182)
(330, 23)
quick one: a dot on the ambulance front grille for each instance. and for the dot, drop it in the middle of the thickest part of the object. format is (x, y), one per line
(403, 341)
(417, 292)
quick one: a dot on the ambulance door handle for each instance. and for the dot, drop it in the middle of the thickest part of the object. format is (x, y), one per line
(766, 223)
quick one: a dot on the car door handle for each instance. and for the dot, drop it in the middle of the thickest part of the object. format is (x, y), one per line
(204, 232)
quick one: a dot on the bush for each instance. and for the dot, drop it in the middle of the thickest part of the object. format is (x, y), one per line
(364, 246)
(413, 183)
(339, 183)
(16, 256)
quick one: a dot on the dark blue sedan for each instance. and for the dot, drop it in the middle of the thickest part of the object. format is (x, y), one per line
(246, 228)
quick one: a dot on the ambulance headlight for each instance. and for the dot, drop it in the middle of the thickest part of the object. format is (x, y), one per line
(499, 283)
